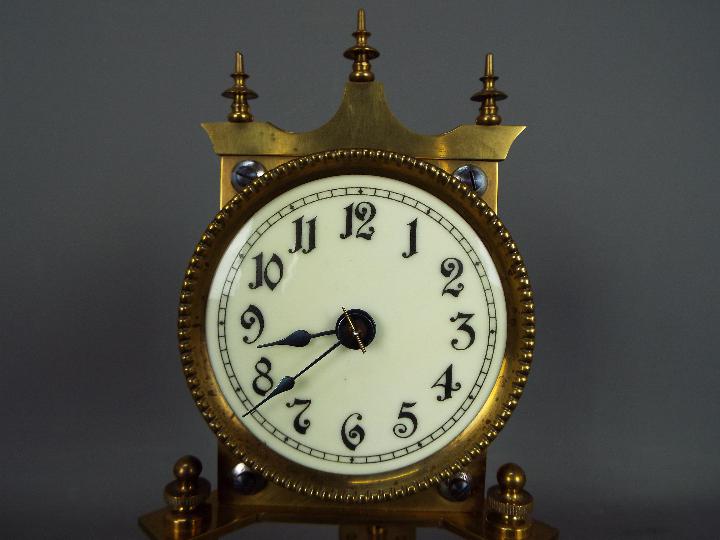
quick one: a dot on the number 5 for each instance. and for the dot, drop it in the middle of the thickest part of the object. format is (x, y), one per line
(403, 430)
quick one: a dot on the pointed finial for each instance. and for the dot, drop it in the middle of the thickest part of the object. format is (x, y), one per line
(238, 62)
(239, 93)
(361, 20)
(488, 96)
(361, 53)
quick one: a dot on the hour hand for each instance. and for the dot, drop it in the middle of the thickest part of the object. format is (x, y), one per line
(299, 338)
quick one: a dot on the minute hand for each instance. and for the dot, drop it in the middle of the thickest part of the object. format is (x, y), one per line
(287, 382)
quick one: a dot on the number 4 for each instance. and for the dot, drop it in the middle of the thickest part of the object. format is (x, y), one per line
(446, 383)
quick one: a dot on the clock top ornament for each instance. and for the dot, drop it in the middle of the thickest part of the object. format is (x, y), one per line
(342, 440)
(363, 120)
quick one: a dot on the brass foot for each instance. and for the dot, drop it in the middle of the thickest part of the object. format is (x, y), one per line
(509, 506)
(188, 514)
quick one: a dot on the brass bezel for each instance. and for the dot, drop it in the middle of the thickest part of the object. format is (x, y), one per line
(406, 480)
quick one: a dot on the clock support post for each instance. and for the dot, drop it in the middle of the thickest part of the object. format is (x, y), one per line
(247, 148)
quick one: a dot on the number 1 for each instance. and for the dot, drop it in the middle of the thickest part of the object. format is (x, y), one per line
(413, 240)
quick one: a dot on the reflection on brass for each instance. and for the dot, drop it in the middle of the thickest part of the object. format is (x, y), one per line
(488, 96)
(187, 514)
(509, 506)
(377, 532)
(361, 53)
(398, 518)
(239, 93)
(363, 120)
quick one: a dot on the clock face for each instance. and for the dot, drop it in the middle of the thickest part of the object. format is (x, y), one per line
(341, 263)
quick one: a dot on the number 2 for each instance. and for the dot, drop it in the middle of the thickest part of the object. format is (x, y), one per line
(452, 268)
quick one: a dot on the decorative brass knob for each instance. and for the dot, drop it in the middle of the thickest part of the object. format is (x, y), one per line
(361, 53)
(239, 93)
(185, 497)
(489, 96)
(509, 506)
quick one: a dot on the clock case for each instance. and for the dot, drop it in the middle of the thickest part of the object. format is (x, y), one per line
(363, 122)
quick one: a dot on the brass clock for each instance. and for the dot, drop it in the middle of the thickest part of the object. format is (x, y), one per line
(356, 325)
(409, 382)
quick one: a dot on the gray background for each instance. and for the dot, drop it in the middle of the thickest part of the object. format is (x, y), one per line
(108, 180)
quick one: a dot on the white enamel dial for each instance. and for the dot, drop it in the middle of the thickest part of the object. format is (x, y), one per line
(406, 259)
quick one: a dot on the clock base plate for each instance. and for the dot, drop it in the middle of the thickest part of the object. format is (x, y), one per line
(226, 511)
(224, 519)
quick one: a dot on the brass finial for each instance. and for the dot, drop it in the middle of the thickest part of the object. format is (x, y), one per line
(239, 93)
(509, 506)
(361, 53)
(488, 96)
(186, 498)
(188, 490)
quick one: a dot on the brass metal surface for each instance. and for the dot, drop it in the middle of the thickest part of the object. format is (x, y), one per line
(509, 507)
(361, 53)
(227, 164)
(363, 120)
(397, 519)
(226, 518)
(187, 513)
(488, 96)
(471, 443)
(239, 93)
(384, 531)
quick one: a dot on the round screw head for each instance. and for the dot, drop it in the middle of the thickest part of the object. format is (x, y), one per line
(457, 488)
(246, 481)
(245, 172)
(473, 177)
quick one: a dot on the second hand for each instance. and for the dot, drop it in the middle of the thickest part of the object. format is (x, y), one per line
(354, 330)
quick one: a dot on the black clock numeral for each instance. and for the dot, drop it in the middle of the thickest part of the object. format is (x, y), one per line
(464, 327)
(406, 429)
(263, 383)
(300, 424)
(269, 274)
(365, 213)
(413, 240)
(352, 435)
(452, 268)
(446, 383)
(250, 317)
(299, 235)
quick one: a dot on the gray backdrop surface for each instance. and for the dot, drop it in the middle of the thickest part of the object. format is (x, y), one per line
(108, 180)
